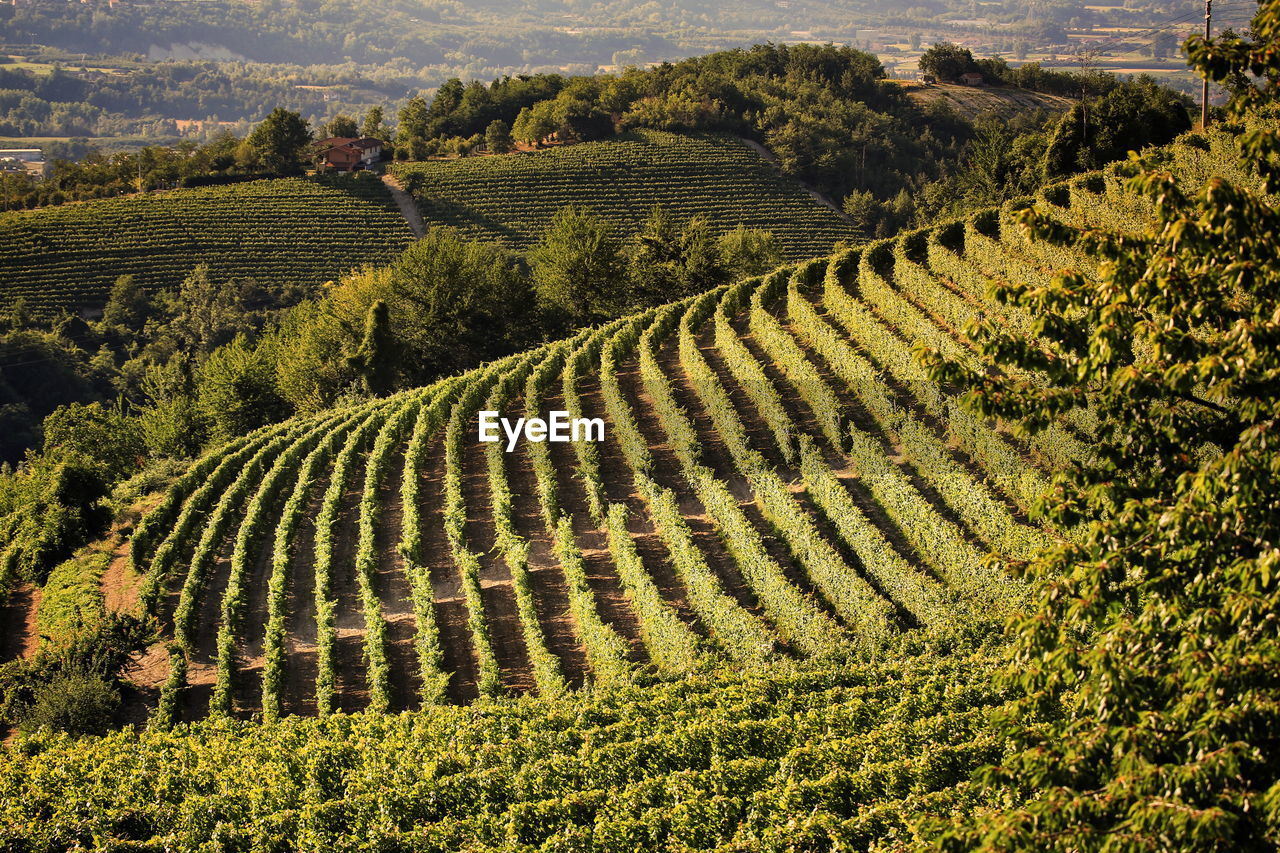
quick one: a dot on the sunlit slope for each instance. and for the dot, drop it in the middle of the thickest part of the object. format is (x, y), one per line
(514, 197)
(289, 230)
(778, 480)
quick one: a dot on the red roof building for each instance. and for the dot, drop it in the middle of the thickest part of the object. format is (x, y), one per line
(344, 155)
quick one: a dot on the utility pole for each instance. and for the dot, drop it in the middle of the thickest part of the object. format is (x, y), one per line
(1204, 84)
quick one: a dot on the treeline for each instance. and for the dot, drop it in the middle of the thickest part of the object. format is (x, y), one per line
(137, 98)
(826, 112)
(830, 117)
(87, 405)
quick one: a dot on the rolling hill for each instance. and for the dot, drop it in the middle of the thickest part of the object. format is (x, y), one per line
(777, 480)
(513, 197)
(974, 101)
(300, 230)
(754, 616)
(747, 601)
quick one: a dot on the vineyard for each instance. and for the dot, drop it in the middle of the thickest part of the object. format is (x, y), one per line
(767, 561)
(757, 615)
(778, 481)
(299, 230)
(513, 198)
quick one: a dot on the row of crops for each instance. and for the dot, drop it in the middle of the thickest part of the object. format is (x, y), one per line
(513, 198)
(779, 480)
(297, 230)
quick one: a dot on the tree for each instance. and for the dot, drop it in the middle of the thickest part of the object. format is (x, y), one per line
(376, 359)
(342, 127)
(96, 432)
(374, 125)
(534, 124)
(1127, 118)
(497, 137)
(208, 314)
(411, 127)
(237, 391)
(128, 304)
(1148, 702)
(577, 267)
(280, 141)
(864, 209)
(746, 252)
(947, 61)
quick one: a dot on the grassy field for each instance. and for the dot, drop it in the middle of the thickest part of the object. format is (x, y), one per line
(295, 230)
(974, 101)
(513, 197)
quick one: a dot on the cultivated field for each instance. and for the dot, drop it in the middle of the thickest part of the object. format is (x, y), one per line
(303, 230)
(974, 101)
(513, 197)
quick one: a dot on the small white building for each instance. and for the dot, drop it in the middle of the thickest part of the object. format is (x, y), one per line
(29, 160)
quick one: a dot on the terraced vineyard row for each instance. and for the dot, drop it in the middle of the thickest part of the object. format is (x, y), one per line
(304, 230)
(513, 198)
(777, 479)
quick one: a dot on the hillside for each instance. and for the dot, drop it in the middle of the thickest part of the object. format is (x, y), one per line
(765, 569)
(756, 615)
(777, 480)
(301, 230)
(513, 197)
(970, 102)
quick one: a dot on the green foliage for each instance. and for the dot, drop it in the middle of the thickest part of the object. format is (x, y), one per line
(375, 360)
(279, 143)
(668, 261)
(73, 685)
(1128, 118)
(343, 127)
(61, 508)
(947, 61)
(577, 268)
(497, 137)
(97, 432)
(237, 391)
(1146, 712)
(745, 252)
(127, 304)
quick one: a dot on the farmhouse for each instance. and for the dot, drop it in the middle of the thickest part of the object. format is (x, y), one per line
(341, 154)
(972, 78)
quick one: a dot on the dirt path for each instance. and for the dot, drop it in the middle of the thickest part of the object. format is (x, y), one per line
(252, 636)
(500, 610)
(19, 637)
(351, 685)
(550, 589)
(202, 664)
(391, 583)
(407, 205)
(602, 574)
(301, 651)
(446, 586)
(819, 197)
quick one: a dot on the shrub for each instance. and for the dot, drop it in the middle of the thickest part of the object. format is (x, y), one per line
(76, 703)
